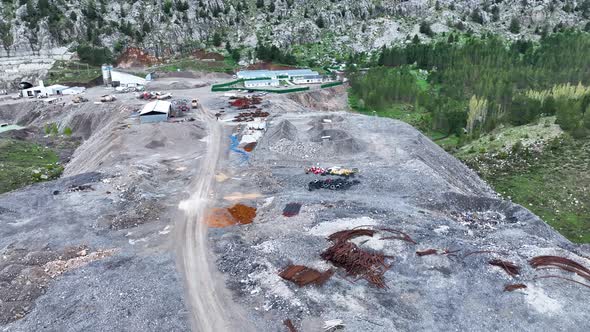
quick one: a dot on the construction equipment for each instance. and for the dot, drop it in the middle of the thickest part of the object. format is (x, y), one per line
(79, 99)
(107, 98)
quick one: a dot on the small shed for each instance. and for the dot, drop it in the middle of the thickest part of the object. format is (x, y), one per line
(155, 111)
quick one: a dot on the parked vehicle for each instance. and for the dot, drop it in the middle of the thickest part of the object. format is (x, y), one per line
(194, 103)
(164, 96)
(107, 98)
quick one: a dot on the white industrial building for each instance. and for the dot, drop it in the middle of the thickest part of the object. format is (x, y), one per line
(261, 83)
(112, 77)
(274, 74)
(308, 79)
(155, 111)
(43, 91)
(74, 90)
(123, 79)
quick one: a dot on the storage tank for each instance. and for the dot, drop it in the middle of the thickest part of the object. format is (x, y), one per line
(106, 74)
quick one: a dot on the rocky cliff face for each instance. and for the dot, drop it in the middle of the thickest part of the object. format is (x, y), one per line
(173, 25)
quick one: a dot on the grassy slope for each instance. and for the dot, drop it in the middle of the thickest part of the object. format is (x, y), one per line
(23, 163)
(554, 183)
(71, 71)
(556, 187)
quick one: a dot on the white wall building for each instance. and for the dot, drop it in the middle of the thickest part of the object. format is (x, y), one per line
(123, 79)
(261, 83)
(308, 79)
(274, 74)
(44, 91)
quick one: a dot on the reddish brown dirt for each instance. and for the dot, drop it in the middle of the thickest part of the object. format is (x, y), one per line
(268, 66)
(135, 57)
(202, 55)
(242, 213)
(250, 147)
(218, 218)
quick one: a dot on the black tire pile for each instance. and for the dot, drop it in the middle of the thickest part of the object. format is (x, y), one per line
(332, 184)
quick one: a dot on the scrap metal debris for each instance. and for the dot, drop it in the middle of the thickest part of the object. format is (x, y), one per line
(291, 209)
(289, 324)
(356, 261)
(348, 234)
(400, 235)
(303, 275)
(513, 287)
(555, 262)
(338, 171)
(333, 325)
(332, 184)
(507, 266)
(426, 252)
(245, 102)
(249, 116)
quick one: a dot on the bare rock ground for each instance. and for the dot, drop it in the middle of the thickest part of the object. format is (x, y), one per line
(93, 250)
(407, 183)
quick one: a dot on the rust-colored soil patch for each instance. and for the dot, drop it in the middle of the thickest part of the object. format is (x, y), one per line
(250, 147)
(218, 218)
(204, 55)
(238, 214)
(242, 213)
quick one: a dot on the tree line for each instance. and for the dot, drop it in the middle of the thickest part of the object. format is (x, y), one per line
(480, 82)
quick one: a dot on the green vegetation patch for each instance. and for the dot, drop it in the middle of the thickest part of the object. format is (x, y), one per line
(225, 66)
(72, 71)
(553, 183)
(23, 163)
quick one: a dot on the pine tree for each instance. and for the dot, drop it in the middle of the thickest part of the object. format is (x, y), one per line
(514, 25)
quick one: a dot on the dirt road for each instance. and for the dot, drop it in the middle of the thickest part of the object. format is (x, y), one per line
(212, 308)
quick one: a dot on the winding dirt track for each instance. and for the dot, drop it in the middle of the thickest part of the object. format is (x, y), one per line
(212, 308)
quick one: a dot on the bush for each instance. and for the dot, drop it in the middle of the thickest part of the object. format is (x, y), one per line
(95, 56)
(425, 29)
(514, 25)
(517, 147)
(67, 131)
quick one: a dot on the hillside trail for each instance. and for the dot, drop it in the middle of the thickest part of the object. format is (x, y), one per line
(211, 305)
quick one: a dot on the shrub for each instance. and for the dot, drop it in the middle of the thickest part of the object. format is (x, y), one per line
(514, 25)
(67, 131)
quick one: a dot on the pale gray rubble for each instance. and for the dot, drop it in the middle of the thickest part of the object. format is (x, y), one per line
(94, 251)
(407, 183)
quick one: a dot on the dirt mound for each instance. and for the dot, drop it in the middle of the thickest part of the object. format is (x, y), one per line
(338, 140)
(331, 99)
(135, 57)
(284, 130)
